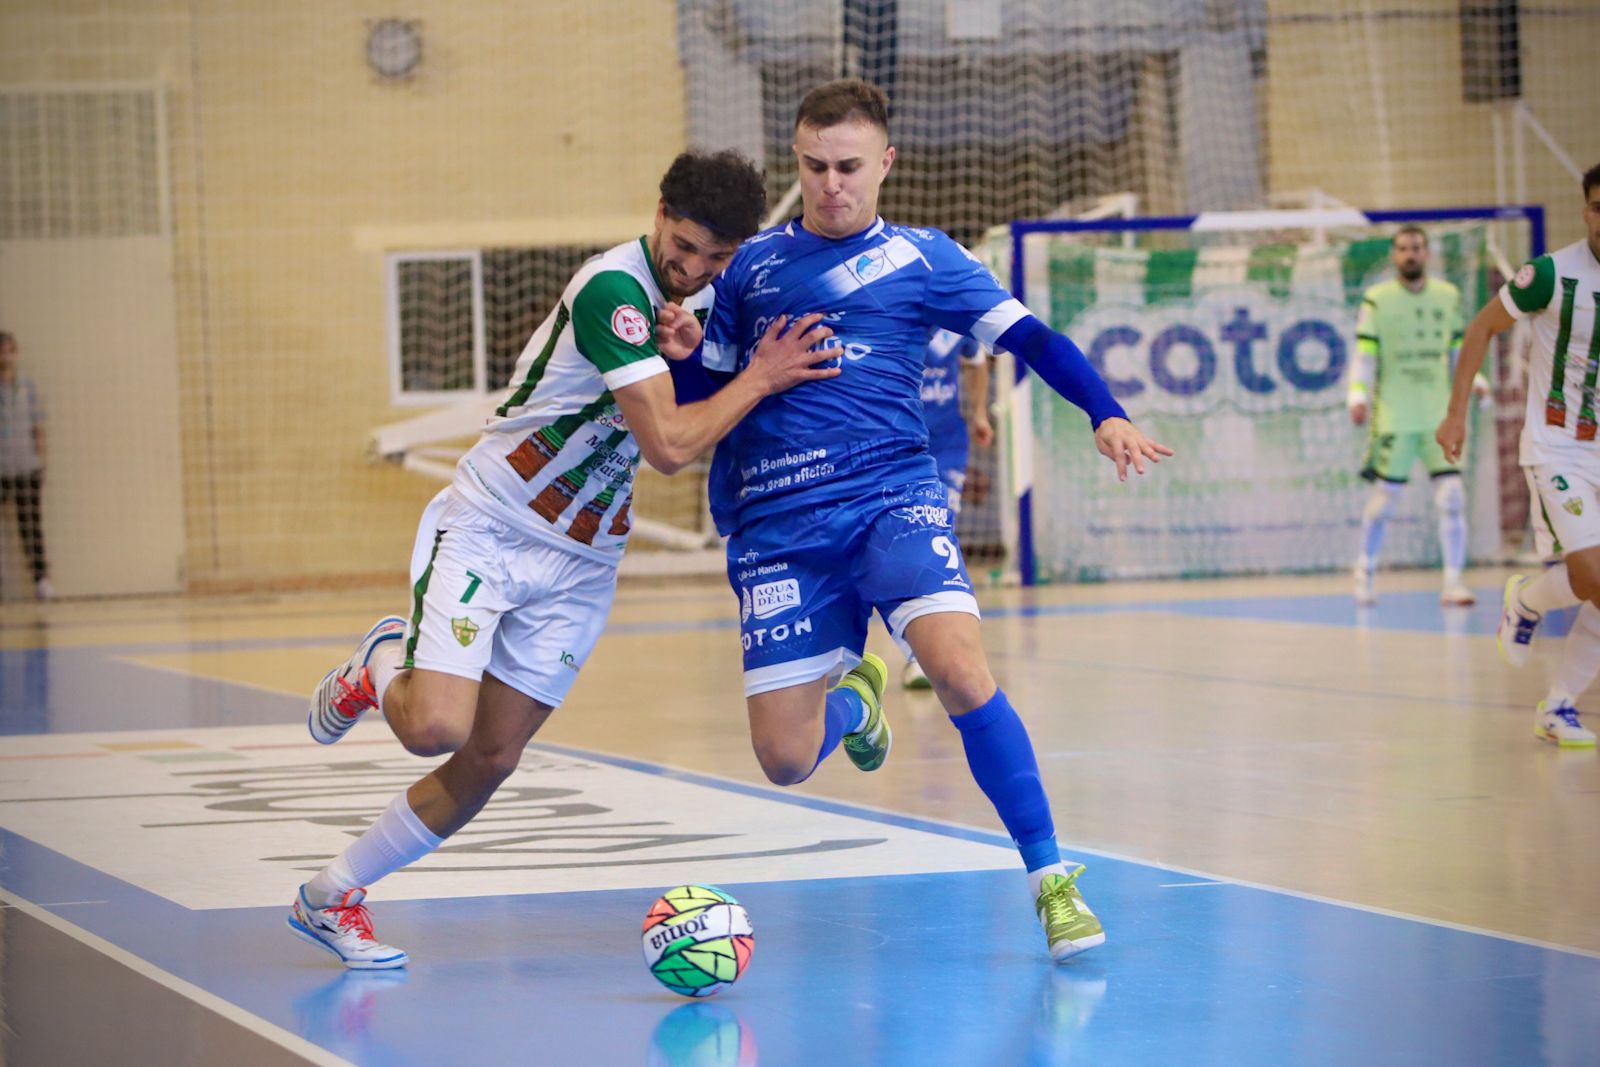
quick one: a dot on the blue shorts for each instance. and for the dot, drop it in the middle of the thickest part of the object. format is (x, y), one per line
(808, 581)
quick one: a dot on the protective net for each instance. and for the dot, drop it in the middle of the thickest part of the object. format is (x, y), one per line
(238, 239)
(1235, 349)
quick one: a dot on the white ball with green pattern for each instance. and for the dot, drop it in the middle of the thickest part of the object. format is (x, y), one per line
(697, 940)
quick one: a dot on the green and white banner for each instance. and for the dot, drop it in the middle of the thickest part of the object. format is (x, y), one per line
(1237, 357)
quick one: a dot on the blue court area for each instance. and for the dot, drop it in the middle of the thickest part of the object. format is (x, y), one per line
(928, 969)
(922, 950)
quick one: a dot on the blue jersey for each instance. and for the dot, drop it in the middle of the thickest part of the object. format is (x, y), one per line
(884, 291)
(941, 398)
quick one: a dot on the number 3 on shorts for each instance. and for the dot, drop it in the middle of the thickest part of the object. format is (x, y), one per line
(947, 548)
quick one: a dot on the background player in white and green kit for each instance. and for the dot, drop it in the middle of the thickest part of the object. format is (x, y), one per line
(1407, 333)
(1557, 294)
(516, 561)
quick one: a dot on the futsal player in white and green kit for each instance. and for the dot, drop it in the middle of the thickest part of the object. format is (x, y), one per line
(1559, 296)
(1407, 333)
(515, 561)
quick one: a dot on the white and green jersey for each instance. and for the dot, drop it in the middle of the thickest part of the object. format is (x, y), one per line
(1411, 335)
(557, 458)
(1557, 293)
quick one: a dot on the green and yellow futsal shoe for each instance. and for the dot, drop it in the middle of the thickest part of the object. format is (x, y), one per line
(868, 747)
(1069, 925)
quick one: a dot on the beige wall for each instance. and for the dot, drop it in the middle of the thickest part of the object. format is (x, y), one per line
(292, 170)
(284, 149)
(1372, 112)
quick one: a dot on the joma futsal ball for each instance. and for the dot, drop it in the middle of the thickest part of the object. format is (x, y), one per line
(697, 940)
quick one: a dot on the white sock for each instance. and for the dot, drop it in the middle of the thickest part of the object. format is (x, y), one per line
(1580, 659)
(385, 664)
(1450, 500)
(1547, 591)
(396, 839)
(1036, 878)
(1380, 503)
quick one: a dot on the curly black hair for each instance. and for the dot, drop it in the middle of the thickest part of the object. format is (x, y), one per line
(722, 191)
(1591, 178)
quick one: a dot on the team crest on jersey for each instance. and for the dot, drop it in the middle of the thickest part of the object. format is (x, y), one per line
(868, 265)
(1575, 505)
(465, 630)
(629, 323)
(744, 605)
(1524, 276)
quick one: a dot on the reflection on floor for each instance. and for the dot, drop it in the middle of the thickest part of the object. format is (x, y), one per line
(1315, 835)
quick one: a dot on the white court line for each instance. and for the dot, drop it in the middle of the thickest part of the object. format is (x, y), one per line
(61, 903)
(232, 1012)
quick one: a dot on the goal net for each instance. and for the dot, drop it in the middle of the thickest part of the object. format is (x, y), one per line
(227, 269)
(1229, 337)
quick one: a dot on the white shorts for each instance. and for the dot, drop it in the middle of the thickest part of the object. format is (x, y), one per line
(487, 596)
(1566, 508)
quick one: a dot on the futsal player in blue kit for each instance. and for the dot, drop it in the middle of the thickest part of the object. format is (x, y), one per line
(832, 501)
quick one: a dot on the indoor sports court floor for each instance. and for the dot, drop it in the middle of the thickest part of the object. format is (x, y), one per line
(1315, 836)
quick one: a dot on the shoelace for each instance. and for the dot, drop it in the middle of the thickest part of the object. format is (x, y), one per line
(354, 918)
(355, 699)
(1059, 905)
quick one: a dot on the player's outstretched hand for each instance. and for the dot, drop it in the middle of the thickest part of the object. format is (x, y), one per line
(678, 332)
(1121, 442)
(1452, 435)
(786, 357)
(982, 429)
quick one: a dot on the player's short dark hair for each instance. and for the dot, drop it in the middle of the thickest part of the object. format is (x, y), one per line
(844, 100)
(1409, 228)
(6, 336)
(722, 191)
(1591, 178)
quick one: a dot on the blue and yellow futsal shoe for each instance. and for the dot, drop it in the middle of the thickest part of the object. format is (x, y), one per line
(1560, 726)
(868, 747)
(1514, 636)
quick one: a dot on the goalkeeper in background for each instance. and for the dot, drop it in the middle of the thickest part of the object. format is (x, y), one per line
(1407, 334)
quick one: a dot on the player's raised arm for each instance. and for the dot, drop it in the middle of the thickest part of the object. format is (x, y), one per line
(671, 436)
(1064, 368)
(1492, 320)
(678, 333)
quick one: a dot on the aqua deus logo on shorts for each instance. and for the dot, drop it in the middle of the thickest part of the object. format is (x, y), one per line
(769, 598)
(465, 630)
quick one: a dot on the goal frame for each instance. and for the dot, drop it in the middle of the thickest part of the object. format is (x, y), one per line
(1314, 219)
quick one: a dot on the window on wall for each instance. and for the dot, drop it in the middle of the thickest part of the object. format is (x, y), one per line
(459, 320)
(436, 327)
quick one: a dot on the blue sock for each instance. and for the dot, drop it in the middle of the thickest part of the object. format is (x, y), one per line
(1003, 764)
(840, 713)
